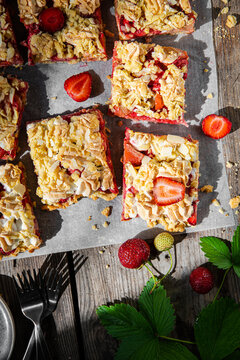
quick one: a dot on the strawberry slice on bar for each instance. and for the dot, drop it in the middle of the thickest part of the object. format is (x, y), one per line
(131, 154)
(167, 191)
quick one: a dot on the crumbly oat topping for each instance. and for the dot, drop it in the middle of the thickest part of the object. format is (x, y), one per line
(231, 21)
(12, 100)
(153, 16)
(215, 202)
(230, 164)
(70, 159)
(234, 202)
(225, 10)
(107, 211)
(17, 222)
(105, 224)
(210, 96)
(85, 7)
(207, 188)
(173, 157)
(137, 79)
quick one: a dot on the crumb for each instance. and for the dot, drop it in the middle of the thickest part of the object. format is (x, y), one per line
(107, 266)
(108, 130)
(54, 98)
(227, 214)
(225, 10)
(109, 33)
(90, 218)
(221, 210)
(205, 61)
(109, 77)
(207, 188)
(210, 96)
(34, 204)
(107, 211)
(236, 212)
(120, 123)
(230, 187)
(215, 202)
(205, 70)
(101, 252)
(234, 202)
(94, 227)
(229, 164)
(105, 224)
(231, 21)
(225, 2)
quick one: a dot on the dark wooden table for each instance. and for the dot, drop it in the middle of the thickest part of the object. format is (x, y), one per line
(93, 278)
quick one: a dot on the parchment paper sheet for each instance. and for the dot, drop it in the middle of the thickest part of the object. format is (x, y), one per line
(69, 229)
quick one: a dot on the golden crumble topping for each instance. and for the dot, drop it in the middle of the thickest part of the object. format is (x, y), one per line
(18, 227)
(207, 188)
(234, 202)
(70, 159)
(171, 157)
(141, 73)
(150, 17)
(12, 100)
(107, 211)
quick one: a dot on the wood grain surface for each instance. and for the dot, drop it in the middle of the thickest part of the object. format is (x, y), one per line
(94, 277)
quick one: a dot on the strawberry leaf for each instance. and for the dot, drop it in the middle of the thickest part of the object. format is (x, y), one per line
(216, 251)
(236, 251)
(217, 329)
(157, 309)
(233, 356)
(123, 320)
(153, 349)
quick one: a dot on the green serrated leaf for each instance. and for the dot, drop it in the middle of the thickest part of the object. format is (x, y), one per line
(216, 251)
(236, 247)
(123, 320)
(157, 309)
(217, 329)
(237, 271)
(152, 349)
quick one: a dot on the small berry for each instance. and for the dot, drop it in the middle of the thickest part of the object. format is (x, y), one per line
(163, 241)
(201, 280)
(133, 253)
(51, 19)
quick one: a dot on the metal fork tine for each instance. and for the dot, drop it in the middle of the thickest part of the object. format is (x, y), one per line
(49, 278)
(35, 276)
(16, 284)
(59, 283)
(54, 280)
(32, 283)
(26, 282)
(21, 282)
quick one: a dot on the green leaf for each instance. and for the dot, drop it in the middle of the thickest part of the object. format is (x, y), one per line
(152, 349)
(157, 309)
(233, 356)
(217, 330)
(123, 320)
(216, 251)
(236, 251)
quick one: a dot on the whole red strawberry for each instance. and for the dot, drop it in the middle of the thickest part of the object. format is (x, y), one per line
(52, 19)
(133, 253)
(201, 280)
(79, 86)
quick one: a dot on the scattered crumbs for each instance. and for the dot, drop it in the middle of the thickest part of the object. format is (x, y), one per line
(210, 96)
(205, 61)
(94, 227)
(120, 123)
(229, 164)
(234, 202)
(105, 224)
(109, 77)
(107, 266)
(34, 204)
(108, 130)
(227, 214)
(109, 33)
(236, 212)
(101, 251)
(221, 210)
(225, 2)
(54, 98)
(205, 70)
(225, 10)
(215, 202)
(207, 188)
(230, 187)
(107, 211)
(90, 218)
(231, 21)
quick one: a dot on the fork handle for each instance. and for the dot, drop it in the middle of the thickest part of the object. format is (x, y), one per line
(42, 348)
(28, 352)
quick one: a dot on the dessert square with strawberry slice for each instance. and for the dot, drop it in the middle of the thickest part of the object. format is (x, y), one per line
(9, 54)
(18, 225)
(160, 179)
(13, 95)
(63, 30)
(148, 82)
(72, 158)
(137, 18)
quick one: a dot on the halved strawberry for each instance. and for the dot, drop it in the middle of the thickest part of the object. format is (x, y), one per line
(216, 126)
(167, 191)
(79, 86)
(52, 19)
(158, 102)
(193, 218)
(131, 154)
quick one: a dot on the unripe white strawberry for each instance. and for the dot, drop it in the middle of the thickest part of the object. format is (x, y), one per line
(163, 241)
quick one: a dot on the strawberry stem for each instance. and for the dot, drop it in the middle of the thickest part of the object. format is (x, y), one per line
(178, 340)
(169, 270)
(221, 285)
(154, 278)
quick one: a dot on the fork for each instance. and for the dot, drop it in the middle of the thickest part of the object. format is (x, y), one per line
(50, 286)
(32, 307)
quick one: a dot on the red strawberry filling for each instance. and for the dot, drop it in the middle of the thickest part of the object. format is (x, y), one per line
(6, 253)
(132, 155)
(193, 218)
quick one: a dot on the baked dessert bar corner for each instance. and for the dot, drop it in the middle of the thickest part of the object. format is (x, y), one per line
(18, 225)
(138, 18)
(72, 158)
(148, 82)
(160, 180)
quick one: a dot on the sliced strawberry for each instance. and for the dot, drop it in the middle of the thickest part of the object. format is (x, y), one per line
(52, 19)
(158, 102)
(216, 126)
(193, 218)
(131, 154)
(167, 191)
(79, 86)
(2, 153)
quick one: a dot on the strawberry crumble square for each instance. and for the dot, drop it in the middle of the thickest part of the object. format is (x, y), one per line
(137, 18)
(13, 94)
(148, 82)
(9, 54)
(72, 158)
(160, 179)
(63, 30)
(18, 225)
